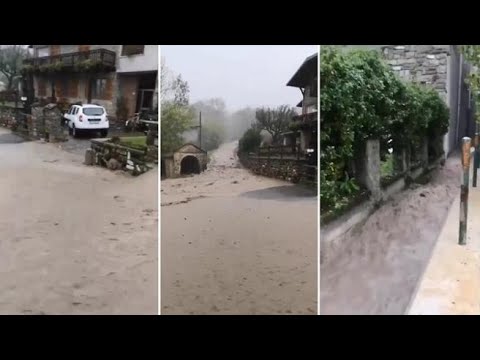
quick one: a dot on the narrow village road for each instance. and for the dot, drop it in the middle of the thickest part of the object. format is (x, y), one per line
(237, 243)
(74, 239)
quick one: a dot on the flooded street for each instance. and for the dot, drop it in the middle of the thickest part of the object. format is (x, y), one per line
(375, 269)
(237, 243)
(75, 239)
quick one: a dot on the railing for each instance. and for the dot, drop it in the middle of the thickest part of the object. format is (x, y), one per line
(103, 56)
(304, 118)
(281, 152)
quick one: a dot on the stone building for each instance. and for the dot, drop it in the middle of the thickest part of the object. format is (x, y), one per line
(100, 74)
(188, 159)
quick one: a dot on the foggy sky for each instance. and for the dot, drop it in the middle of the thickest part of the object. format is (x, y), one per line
(243, 75)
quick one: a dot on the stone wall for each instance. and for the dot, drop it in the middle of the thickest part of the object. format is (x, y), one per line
(443, 68)
(43, 123)
(7, 116)
(54, 129)
(80, 81)
(284, 169)
(425, 64)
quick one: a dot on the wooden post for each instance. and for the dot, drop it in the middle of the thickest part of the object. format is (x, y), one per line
(466, 143)
(476, 160)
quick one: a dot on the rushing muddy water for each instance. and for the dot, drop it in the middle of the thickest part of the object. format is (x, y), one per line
(376, 268)
(236, 243)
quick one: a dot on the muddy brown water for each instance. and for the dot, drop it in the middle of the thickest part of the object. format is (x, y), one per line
(75, 239)
(375, 268)
(236, 243)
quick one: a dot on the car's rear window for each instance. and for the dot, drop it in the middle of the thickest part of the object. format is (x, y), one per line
(93, 111)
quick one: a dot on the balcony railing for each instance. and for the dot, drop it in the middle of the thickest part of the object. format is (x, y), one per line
(102, 59)
(306, 118)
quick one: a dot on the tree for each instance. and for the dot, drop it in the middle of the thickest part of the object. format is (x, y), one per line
(275, 121)
(175, 121)
(250, 141)
(214, 117)
(212, 136)
(239, 122)
(181, 91)
(165, 83)
(11, 62)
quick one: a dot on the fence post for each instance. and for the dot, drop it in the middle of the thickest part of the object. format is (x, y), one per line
(466, 143)
(368, 168)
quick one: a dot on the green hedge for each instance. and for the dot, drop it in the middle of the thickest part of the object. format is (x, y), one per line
(361, 99)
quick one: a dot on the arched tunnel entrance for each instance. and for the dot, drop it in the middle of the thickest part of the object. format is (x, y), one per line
(189, 165)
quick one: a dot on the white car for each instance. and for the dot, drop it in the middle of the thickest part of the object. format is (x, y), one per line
(87, 117)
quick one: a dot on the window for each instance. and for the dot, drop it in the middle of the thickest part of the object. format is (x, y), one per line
(99, 87)
(76, 110)
(128, 50)
(93, 111)
(70, 111)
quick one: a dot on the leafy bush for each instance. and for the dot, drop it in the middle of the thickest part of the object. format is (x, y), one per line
(362, 99)
(250, 141)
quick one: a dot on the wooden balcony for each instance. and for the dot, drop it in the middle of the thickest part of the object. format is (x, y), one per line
(306, 118)
(96, 60)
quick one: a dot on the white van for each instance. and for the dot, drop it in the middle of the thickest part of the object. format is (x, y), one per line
(87, 117)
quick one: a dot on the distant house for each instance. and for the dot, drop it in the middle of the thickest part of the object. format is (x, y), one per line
(304, 126)
(100, 74)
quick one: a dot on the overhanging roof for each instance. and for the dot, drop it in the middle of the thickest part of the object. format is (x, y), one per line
(305, 72)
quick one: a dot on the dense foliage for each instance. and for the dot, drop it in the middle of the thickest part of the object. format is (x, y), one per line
(175, 120)
(361, 99)
(250, 141)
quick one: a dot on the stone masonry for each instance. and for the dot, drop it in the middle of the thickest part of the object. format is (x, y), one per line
(426, 64)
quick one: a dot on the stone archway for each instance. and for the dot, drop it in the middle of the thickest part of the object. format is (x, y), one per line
(190, 165)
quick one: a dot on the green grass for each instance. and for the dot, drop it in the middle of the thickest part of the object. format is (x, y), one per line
(386, 167)
(136, 142)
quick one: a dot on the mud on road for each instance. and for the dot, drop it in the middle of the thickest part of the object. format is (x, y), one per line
(375, 268)
(74, 239)
(237, 243)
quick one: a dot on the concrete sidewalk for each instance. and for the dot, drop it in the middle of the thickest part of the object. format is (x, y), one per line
(451, 282)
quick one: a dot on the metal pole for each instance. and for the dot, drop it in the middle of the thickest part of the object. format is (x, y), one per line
(476, 160)
(466, 144)
(200, 131)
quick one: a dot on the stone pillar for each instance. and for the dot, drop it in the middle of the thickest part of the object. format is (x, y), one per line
(368, 171)
(89, 157)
